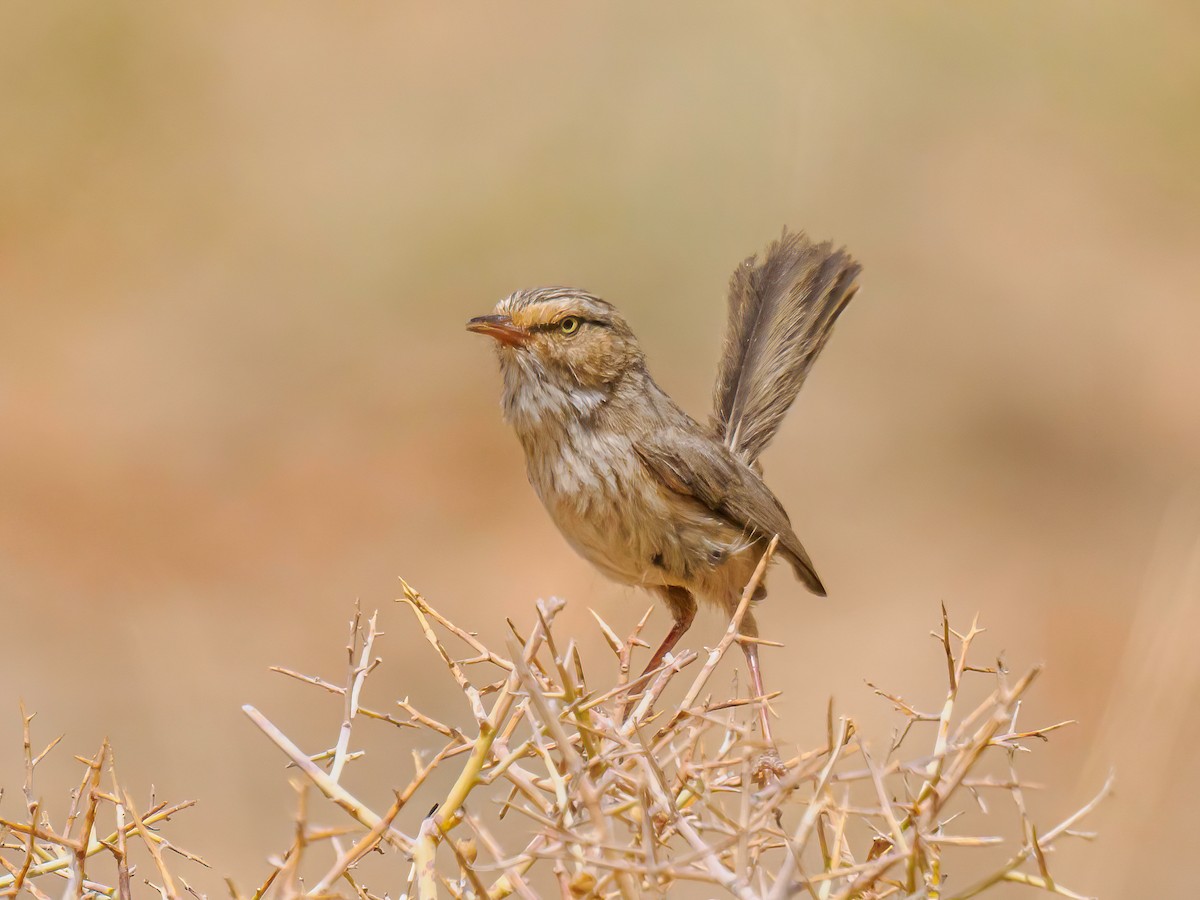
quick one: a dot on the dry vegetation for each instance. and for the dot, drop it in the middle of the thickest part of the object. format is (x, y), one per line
(587, 791)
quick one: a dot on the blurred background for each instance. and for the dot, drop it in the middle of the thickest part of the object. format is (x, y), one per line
(238, 244)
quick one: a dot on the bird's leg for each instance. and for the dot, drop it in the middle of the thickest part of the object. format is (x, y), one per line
(756, 684)
(769, 764)
(683, 610)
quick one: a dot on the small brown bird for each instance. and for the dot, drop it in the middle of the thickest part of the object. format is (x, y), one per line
(640, 489)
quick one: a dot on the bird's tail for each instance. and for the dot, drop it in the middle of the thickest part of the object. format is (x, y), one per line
(781, 312)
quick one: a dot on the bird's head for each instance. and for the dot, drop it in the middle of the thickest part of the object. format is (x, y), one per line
(560, 338)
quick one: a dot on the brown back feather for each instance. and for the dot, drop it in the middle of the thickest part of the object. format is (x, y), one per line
(781, 313)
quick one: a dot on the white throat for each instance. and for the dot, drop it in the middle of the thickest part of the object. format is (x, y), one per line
(535, 400)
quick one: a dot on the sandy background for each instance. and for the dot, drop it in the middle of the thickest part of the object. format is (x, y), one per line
(238, 245)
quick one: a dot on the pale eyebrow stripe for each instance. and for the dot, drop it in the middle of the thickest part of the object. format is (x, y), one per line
(550, 326)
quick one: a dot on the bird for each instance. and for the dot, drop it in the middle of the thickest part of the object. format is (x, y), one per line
(647, 494)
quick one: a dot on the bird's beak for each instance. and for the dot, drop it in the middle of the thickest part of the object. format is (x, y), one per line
(502, 328)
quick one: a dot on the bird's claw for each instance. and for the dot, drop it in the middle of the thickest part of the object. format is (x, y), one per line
(768, 767)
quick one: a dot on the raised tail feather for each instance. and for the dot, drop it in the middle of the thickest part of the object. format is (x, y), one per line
(781, 312)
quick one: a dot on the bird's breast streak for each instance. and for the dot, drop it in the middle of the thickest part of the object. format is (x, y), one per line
(615, 515)
(588, 483)
(610, 508)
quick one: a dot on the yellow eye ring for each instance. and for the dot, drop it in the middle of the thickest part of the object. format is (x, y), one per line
(569, 325)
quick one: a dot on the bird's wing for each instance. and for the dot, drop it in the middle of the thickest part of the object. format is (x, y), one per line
(695, 466)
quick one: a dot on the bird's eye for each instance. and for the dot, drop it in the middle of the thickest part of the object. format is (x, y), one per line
(569, 325)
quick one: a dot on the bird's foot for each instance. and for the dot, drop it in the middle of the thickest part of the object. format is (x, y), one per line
(768, 767)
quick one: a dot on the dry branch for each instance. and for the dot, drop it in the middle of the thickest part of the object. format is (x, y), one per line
(598, 790)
